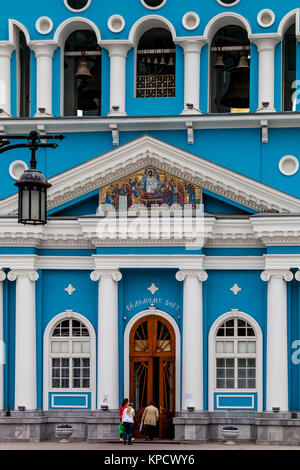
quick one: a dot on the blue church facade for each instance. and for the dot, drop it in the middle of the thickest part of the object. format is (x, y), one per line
(168, 269)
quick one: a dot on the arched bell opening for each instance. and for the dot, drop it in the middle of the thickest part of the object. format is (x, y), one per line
(23, 75)
(155, 65)
(289, 59)
(82, 74)
(230, 71)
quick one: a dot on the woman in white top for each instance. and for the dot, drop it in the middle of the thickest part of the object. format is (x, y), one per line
(128, 421)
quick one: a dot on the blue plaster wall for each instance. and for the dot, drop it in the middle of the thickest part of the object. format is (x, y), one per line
(218, 299)
(53, 300)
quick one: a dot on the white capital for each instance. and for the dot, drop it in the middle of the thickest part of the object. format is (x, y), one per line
(113, 273)
(184, 273)
(42, 49)
(266, 44)
(286, 275)
(192, 46)
(6, 50)
(19, 273)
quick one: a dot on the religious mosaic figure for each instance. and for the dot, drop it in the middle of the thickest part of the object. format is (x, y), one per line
(150, 187)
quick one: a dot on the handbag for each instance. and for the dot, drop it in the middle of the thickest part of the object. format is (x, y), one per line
(122, 429)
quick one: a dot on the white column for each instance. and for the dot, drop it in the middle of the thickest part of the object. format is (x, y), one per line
(25, 348)
(192, 51)
(5, 89)
(277, 354)
(117, 54)
(266, 80)
(108, 351)
(44, 55)
(192, 338)
(2, 344)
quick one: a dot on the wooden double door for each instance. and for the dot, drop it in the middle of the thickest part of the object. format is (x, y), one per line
(152, 372)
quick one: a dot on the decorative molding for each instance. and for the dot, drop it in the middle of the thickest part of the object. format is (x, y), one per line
(282, 262)
(153, 288)
(114, 262)
(70, 289)
(264, 131)
(235, 289)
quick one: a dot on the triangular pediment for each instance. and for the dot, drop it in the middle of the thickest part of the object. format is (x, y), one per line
(148, 152)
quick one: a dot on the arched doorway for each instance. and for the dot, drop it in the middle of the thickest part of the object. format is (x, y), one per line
(152, 371)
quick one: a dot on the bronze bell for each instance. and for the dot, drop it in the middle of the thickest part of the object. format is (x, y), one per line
(86, 103)
(92, 90)
(83, 71)
(243, 63)
(162, 61)
(219, 65)
(155, 62)
(237, 94)
(171, 62)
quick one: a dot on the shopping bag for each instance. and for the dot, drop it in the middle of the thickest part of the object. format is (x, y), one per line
(142, 429)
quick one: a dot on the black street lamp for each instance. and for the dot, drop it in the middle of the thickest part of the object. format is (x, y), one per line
(32, 205)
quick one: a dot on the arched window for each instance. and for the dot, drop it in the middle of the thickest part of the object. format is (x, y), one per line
(230, 71)
(155, 65)
(23, 80)
(82, 74)
(235, 356)
(70, 356)
(289, 68)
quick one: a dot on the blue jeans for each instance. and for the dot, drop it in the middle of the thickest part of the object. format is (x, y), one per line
(128, 431)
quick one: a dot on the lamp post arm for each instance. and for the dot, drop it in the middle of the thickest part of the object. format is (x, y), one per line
(14, 146)
(29, 145)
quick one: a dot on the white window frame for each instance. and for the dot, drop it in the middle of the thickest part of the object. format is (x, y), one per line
(48, 355)
(212, 356)
(70, 355)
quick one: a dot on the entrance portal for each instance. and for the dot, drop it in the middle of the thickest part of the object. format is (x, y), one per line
(152, 371)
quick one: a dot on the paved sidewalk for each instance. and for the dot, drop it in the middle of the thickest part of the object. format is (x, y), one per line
(153, 446)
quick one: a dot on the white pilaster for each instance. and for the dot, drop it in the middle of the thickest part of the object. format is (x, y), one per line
(44, 55)
(117, 55)
(5, 89)
(192, 51)
(192, 338)
(266, 51)
(2, 345)
(25, 352)
(277, 359)
(108, 351)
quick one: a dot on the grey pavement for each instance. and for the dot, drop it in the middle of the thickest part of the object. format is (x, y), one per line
(153, 446)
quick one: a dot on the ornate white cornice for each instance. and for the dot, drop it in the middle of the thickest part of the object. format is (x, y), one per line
(277, 230)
